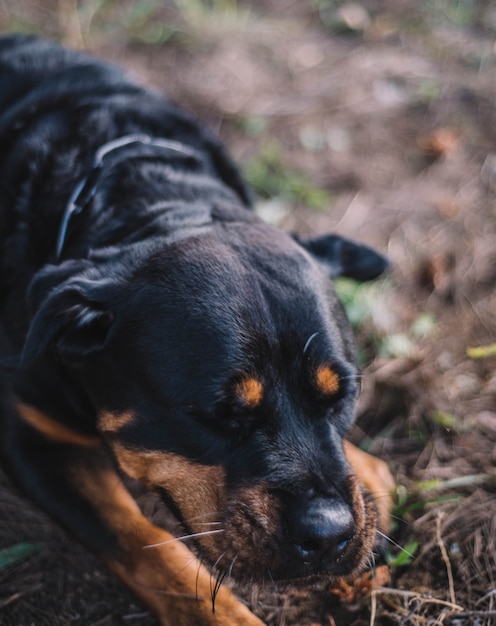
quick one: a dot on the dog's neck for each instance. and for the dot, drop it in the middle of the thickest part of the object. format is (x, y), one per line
(85, 189)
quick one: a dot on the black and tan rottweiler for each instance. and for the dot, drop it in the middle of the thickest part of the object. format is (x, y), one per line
(153, 327)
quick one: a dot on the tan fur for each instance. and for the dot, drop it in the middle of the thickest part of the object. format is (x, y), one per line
(197, 490)
(54, 430)
(110, 422)
(250, 391)
(376, 477)
(327, 380)
(168, 578)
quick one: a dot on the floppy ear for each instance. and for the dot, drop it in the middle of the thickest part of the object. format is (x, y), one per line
(71, 323)
(343, 257)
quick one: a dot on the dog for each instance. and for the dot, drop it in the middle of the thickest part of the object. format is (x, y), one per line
(153, 329)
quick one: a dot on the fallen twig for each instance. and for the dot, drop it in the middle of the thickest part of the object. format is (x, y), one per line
(445, 556)
(410, 596)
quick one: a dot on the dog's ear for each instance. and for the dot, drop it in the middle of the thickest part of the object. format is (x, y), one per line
(343, 257)
(72, 323)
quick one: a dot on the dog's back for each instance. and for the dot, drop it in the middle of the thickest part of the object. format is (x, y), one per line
(57, 109)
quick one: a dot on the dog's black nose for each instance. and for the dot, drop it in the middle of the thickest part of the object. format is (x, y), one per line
(321, 532)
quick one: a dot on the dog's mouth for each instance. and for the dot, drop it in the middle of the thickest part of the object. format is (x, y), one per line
(266, 550)
(248, 542)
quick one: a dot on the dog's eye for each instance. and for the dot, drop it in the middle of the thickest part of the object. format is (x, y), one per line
(239, 424)
(232, 420)
(234, 426)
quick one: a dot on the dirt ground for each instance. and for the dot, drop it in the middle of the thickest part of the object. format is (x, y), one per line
(376, 120)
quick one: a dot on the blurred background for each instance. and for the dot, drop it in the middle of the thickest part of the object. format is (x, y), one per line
(375, 119)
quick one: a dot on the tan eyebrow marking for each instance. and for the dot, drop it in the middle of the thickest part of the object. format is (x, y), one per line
(250, 391)
(327, 380)
(110, 422)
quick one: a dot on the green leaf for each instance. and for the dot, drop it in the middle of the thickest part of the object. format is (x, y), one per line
(18, 552)
(405, 555)
(446, 420)
(482, 352)
(397, 345)
(352, 296)
(254, 125)
(423, 325)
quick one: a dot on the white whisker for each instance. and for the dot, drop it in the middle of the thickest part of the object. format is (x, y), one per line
(231, 567)
(218, 561)
(309, 341)
(272, 579)
(397, 545)
(184, 538)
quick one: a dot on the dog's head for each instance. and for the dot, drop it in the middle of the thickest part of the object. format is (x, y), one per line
(221, 371)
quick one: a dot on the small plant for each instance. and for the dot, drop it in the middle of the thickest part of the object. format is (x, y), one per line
(144, 22)
(403, 556)
(411, 502)
(271, 178)
(202, 16)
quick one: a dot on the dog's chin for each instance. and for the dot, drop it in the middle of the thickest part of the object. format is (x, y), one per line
(281, 574)
(246, 580)
(310, 582)
(315, 580)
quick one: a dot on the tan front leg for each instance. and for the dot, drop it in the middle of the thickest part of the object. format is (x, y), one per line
(155, 565)
(78, 485)
(375, 476)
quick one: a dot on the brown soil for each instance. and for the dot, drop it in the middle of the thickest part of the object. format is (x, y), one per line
(389, 106)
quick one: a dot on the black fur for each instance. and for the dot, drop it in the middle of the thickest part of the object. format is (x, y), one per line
(168, 291)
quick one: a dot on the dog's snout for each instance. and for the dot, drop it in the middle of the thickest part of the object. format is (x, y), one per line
(321, 532)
